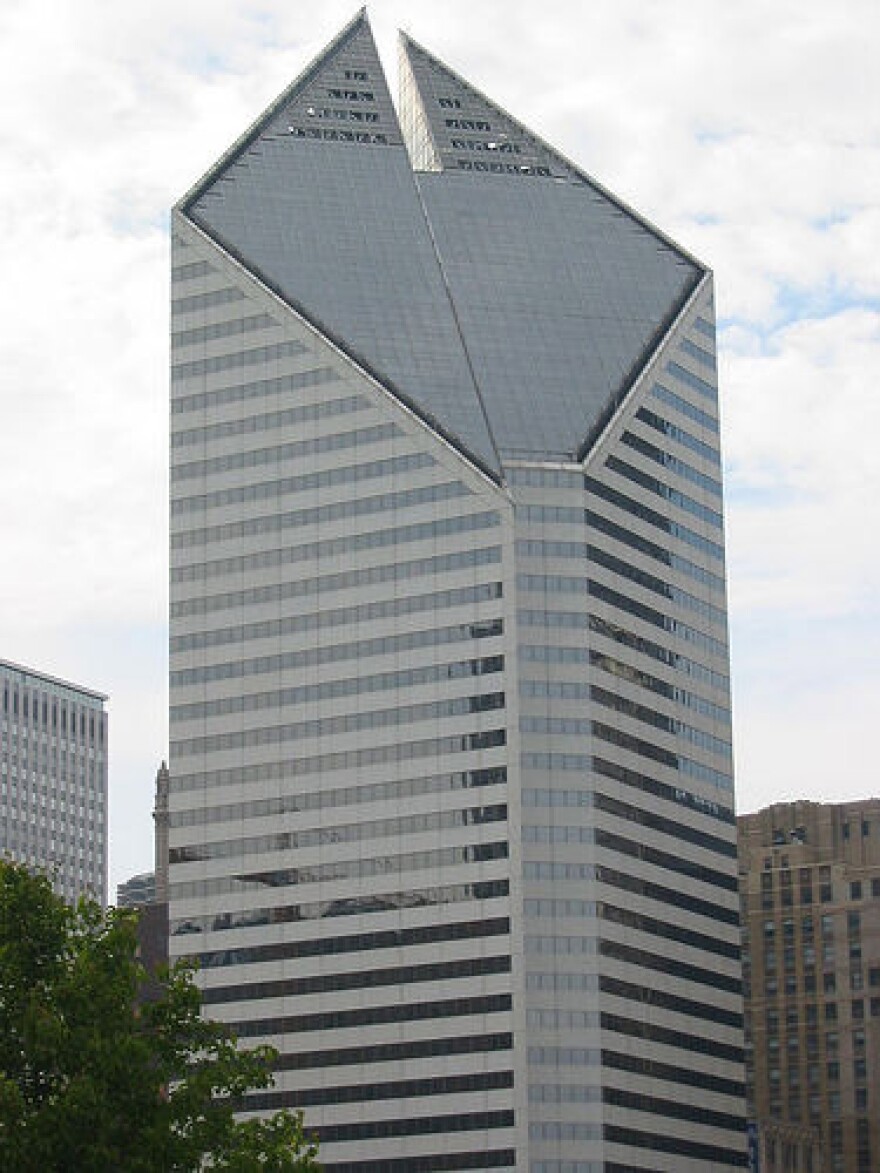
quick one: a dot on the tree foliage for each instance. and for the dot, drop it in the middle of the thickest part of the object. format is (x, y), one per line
(93, 1079)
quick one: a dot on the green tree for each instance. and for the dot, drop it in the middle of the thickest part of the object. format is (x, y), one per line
(92, 1079)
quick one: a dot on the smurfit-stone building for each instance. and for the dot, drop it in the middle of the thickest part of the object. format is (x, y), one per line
(451, 809)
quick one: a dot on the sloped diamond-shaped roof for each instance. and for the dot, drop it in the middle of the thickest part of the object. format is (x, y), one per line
(496, 289)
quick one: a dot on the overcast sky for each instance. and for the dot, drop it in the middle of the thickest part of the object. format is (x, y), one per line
(749, 132)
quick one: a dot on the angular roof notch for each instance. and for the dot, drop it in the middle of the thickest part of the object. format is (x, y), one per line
(450, 125)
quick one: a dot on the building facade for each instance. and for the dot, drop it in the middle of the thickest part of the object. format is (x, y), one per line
(137, 890)
(53, 779)
(810, 882)
(450, 807)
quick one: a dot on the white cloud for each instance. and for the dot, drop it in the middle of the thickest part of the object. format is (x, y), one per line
(745, 131)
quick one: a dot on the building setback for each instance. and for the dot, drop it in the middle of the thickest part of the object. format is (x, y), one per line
(53, 780)
(810, 882)
(450, 808)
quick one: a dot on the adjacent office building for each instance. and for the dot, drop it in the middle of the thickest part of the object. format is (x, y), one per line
(451, 810)
(810, 881)
(137, 890)
(53, 779)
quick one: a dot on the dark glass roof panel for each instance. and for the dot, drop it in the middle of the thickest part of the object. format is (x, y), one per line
(497, 290)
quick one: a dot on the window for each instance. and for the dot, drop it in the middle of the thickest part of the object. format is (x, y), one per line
(855, 891)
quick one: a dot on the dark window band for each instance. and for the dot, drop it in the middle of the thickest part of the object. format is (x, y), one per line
(394, 1052)
(673, 1109)
(395, 1089)
(647, 647)
(641, 958)
(373, 1016)
(684, 631)
(656, 753)
(660, 1143)
(331, 798)
(673, 863)
(370, 719)
(401, 975)
(282, 699)
(287, 768)
(433, 1163)
(203, 569)
(668, 897)
(669, 932)
(680, 467)
(336, 653)
(638, 509)
(679, 1039)
(277, 454)
(418, 1126)
(356, 942)
(341, 580)
(276, 524)
(666, 1001)
(311, 836)
(667, 1072)
(646, 818)
(678, 433)
(254, 389)
(660, 554)
(644, 782)
(429, 601)
(662, 721)
(282, 914)
(342, 869)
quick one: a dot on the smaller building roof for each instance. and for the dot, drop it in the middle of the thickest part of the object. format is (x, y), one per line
(52, 681)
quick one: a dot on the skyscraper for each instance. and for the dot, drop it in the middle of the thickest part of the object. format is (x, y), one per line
(53, 779)
(451, 811)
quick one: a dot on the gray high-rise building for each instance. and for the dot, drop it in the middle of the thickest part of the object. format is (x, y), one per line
(451, 809)
(53, 780)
